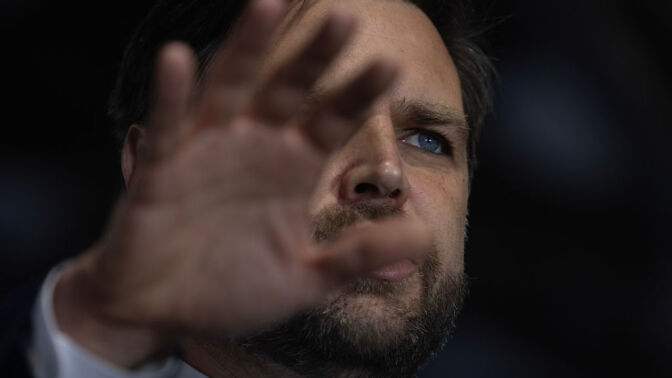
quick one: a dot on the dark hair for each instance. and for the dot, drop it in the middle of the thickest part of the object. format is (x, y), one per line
(204, 23)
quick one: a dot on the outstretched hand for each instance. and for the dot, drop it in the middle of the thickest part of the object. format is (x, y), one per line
(213, 234)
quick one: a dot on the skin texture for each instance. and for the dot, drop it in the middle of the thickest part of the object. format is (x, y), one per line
(223, 187)
(433, 187)
(430, 187)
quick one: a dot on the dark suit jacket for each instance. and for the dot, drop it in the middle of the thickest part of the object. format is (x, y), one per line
(15, 329)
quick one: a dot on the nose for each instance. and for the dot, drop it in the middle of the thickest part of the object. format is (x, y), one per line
(375, 173)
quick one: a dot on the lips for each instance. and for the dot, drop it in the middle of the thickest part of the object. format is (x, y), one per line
(394, 272)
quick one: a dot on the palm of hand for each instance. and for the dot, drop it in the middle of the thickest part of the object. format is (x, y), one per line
(213, 233)
(229, 209)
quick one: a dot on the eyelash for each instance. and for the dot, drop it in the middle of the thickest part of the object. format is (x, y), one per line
(446, 146)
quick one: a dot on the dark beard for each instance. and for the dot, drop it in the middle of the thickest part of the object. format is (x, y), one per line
(329, 341)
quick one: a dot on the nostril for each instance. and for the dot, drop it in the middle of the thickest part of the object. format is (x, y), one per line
(395, 193)
(366, 187)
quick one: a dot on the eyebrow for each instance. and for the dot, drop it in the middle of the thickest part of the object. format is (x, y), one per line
(418, 112)
(427, 113)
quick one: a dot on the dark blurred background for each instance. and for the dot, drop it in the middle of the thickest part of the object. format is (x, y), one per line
(569, 249)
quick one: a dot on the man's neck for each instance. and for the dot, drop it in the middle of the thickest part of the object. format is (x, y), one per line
(219, 359)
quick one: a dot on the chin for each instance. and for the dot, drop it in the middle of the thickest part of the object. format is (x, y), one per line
(375, 314)
(371, 327)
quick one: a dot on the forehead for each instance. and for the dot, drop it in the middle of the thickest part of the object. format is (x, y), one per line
(385, 28)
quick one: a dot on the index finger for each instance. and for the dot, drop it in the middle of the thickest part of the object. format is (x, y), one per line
(340, 116)
(229, 80)
(362, 250)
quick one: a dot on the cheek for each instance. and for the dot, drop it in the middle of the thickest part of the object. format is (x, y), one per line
(441, 201)
(325, 193)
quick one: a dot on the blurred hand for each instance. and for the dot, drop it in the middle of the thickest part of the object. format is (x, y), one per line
(213, 234)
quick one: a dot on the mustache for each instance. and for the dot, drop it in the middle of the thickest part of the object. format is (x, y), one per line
(332, 221)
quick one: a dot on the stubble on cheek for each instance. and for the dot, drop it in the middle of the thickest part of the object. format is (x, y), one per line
(374, 327)
(377, 328)
(442, 203)
(378, 311)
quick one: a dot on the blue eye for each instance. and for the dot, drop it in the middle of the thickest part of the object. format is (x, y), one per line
(427, 141)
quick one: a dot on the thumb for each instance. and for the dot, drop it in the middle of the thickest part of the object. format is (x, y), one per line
(371, 246)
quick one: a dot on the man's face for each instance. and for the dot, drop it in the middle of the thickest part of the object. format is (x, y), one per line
(396, 164)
